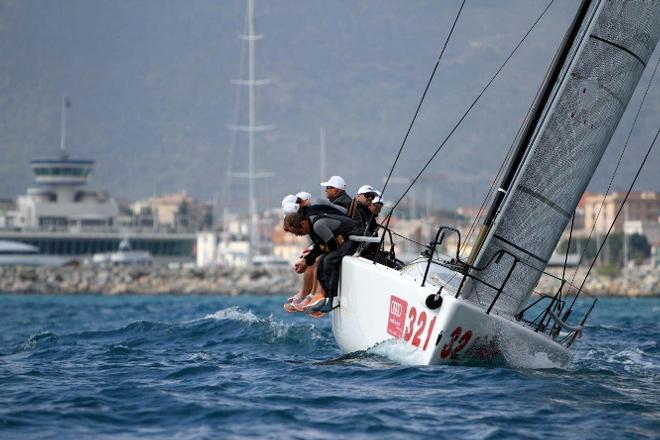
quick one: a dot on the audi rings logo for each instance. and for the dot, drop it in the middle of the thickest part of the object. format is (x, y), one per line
(396, 309)
(397, 317)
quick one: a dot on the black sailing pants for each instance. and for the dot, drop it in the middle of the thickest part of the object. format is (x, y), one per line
(328, 266)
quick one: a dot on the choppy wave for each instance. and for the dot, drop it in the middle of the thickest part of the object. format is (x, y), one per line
(239, 367)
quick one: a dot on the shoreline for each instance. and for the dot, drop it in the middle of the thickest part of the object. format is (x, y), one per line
(132, 280)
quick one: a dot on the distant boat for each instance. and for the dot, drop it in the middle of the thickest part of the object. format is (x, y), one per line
(125, 256)
(16, 253)
(453, 311)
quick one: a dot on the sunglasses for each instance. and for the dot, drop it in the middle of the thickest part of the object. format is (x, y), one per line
(369, 195)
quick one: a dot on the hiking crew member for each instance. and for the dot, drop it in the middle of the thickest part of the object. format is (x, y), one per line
(329, 234)
(335, 192)
(303, 203)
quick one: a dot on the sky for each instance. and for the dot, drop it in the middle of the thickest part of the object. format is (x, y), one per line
(150, 84)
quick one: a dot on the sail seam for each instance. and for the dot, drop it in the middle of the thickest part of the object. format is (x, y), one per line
(513, 245)
(618, 46)
(543, 199)
(613, 95)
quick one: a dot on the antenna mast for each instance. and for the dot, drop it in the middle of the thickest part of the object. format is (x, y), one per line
(65, 104)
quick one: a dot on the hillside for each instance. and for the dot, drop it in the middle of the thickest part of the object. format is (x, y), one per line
(152, 97)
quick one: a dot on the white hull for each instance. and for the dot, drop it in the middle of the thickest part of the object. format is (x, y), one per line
(33, 260)
(378, 304)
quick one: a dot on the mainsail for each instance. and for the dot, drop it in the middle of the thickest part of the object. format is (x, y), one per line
(606, 61)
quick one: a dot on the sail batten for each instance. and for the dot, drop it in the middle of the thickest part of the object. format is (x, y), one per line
(598, 80)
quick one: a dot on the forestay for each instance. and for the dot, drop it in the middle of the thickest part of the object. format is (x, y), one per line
(599, 78)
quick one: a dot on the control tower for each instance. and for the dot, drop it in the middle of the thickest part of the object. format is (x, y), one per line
(61, 200)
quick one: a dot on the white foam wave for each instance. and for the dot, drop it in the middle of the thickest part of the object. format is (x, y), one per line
(38, 339)
(277, 328)
(201, 356)
(399, 351)
(517, 355)
(234, 314)
(631, 357)
(537, 361)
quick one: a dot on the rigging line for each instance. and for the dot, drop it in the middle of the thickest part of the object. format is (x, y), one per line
(524, 263)
(408, 239)
(418, 243)
(419, 106)
(616, 168)
(639, 170)
(504, 162)
(568, 246)
(412, 183)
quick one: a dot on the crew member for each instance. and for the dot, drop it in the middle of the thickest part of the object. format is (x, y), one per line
(361, 210)
(335, 191)
(329, 234)
(303, 203)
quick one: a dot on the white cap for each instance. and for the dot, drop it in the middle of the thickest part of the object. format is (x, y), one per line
(377, 199)
(366, 189)
(335, 182)
(290, 208)
(289, 198)
(303, 195)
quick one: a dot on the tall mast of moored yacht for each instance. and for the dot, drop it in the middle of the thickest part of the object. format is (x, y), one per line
(251, 128)
(251, 121)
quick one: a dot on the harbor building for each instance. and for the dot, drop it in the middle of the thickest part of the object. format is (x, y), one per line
(643, 206)
(61, 216)
(173, 212)
(61, 200)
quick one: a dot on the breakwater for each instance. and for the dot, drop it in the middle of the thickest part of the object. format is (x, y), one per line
(147, 280)
(640, 281)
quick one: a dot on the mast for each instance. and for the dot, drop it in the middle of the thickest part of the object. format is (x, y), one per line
(251, 37)
(531, 123)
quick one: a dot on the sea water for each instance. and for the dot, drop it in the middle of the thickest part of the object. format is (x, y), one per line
(239, 367)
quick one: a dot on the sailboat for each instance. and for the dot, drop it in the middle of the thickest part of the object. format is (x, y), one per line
(475, 310)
